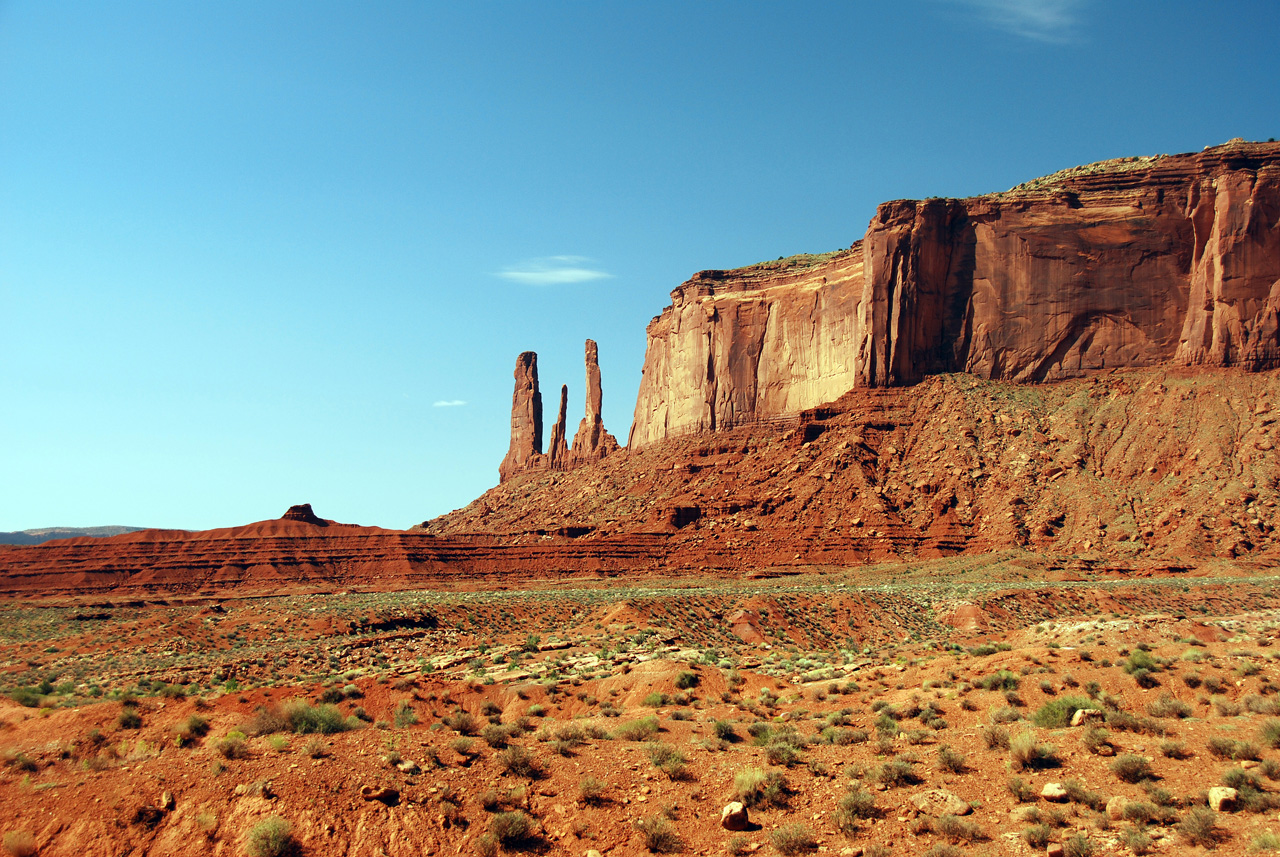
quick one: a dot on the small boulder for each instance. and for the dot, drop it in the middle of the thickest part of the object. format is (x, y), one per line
(1054, 793)
(1222, 799)
(940, 802)
(1115, 808)
(405, 766)
(389, 796)
(1054, 849)
(734, 816)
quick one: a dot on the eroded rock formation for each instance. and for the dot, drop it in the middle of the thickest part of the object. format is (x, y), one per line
(526, 418)
(592, 442)
(1124, 263)
(302, 512)
(557, 447)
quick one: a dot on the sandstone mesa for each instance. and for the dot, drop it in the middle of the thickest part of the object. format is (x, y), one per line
(1076, 368)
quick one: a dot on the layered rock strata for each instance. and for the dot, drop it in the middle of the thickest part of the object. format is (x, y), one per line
(590, 444)
(1125, 263)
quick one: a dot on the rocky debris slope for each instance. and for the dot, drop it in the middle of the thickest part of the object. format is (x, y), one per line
(1125, 263)
(1137, 471)
(1155, 466)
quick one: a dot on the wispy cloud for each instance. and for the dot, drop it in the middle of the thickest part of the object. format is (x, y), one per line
(554, 271)
(452, 403)
(1040, 20)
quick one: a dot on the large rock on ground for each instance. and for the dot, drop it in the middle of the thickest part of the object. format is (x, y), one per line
(734, 816)
(940, 802)
(1222, 799)
(1054, 793)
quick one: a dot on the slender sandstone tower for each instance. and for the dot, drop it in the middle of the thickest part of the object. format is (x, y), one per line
(526, 418)
(592, 442)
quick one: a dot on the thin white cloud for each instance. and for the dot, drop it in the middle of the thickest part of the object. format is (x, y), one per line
(452, 403)
(1039, 20)
(553, 271)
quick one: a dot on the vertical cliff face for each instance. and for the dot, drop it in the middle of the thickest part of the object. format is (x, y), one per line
(1124, 263)
(751, 344)
(1235, 270)
(526, 418)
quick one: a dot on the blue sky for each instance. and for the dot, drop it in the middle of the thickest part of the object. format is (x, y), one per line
(261, 253)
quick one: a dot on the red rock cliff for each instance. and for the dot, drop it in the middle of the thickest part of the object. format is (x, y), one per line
(1132, 262)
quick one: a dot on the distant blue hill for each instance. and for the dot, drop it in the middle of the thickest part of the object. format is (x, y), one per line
(45, 534)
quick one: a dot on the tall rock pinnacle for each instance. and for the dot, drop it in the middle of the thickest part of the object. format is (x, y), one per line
(557, 448)
(526, 418)
(592, 442)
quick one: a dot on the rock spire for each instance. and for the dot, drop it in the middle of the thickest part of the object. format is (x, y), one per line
(557, 448)
(526, 419)
(592, 442)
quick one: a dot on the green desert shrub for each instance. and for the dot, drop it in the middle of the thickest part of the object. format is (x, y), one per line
(1025, 753)
(637, 730)
(793, 839)
(1269, 733)
(325, 719)
(1168, 706)
(1002, 680)
(852, 808)
(756, 787)
(519, 761)
(957, 829)
(659, 835)
(995, 737)
(951, 760)
(1129, 768)
(1057, 713)
(512, 828)
(129, 718)
(232, 745)
(894, 773)
(1037, 836)
(1200, 827)
(271, 837)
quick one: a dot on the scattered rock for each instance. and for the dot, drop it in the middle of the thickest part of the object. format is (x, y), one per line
(1084, 715)
(1222, 799)
(734, 817)
(940, 802)
(1054, 793)
(386, 795)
